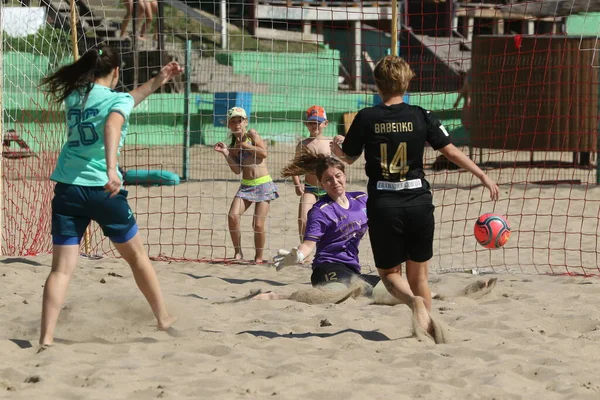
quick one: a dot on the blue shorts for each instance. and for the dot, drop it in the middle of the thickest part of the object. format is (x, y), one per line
(73, 207)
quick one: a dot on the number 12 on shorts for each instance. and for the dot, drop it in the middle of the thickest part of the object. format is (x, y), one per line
(397, 165)
(81, 133)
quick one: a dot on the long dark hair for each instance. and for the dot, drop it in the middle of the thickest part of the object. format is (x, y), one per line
(309, 162)
(233, 141)
(95, 63)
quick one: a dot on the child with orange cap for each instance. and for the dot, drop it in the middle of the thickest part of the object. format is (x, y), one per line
(311, 191)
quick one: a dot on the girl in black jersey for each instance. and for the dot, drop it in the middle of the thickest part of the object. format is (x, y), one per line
(400, 208)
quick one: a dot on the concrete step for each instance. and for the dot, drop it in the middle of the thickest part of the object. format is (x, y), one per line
(112, 14)
(59, 5)
(89, 20)
(448, 50)
(210, 76)
(123, 45)
(207, 75)
(106, 9)
(103, 31)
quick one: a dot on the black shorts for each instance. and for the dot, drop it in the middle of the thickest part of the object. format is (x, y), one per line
(399, 234)
(337, 272)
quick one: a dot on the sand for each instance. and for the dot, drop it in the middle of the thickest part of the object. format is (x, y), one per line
(530, 336)
(533, 335)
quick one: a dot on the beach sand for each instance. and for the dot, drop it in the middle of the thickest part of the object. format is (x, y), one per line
(533, 336)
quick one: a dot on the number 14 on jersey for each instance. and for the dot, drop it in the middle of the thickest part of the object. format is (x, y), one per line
(398, 165)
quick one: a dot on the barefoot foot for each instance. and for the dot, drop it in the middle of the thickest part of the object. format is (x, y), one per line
(46, 340)
(43, 347)
(165, 324)
(421, 316)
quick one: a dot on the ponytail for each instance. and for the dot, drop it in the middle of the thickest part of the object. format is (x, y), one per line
(95, 63)
(309, 162)
(233, 141)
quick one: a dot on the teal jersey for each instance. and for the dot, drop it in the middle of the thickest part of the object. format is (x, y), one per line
(82, 160)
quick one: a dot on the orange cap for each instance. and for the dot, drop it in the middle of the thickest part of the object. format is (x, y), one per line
(316, 113)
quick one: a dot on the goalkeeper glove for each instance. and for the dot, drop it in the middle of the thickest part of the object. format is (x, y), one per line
(286, 258)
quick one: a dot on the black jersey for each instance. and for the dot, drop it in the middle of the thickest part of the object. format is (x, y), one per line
(393, 138)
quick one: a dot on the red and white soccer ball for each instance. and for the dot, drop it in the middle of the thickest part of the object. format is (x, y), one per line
(492, 231)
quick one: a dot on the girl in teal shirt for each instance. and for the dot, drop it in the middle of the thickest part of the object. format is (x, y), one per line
(88, 181)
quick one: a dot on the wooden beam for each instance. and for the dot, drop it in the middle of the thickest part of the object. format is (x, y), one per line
(291, 36)
(497, 14)
(294, 13)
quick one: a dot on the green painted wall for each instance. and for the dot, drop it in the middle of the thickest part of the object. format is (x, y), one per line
(376, 43)
(287, 71)
(159, 119)
(279, 117)
(587, 24)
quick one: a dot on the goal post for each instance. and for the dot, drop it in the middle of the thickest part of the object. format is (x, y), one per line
(526, 116)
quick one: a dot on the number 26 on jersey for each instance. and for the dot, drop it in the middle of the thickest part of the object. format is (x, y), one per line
(81, 133)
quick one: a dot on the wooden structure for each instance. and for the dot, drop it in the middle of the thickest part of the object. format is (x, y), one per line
(535, 93)
(323, 10)
(436, 37)
(472, 12)
(309, 12)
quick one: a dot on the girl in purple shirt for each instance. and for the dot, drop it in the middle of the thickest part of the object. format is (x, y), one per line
(335, 224)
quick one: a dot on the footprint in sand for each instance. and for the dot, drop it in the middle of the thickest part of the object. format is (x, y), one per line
(474, 291)
(379, 294)
(329, 294)
(477, 290)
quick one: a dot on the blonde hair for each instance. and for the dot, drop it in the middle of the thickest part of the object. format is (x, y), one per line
(392, 75)
(309, 162)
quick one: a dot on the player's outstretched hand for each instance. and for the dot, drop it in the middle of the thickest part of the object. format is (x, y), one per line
(492, 187)
(170, 71)
(285, 258)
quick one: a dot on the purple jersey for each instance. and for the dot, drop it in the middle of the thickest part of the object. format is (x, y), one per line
(336, 230)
